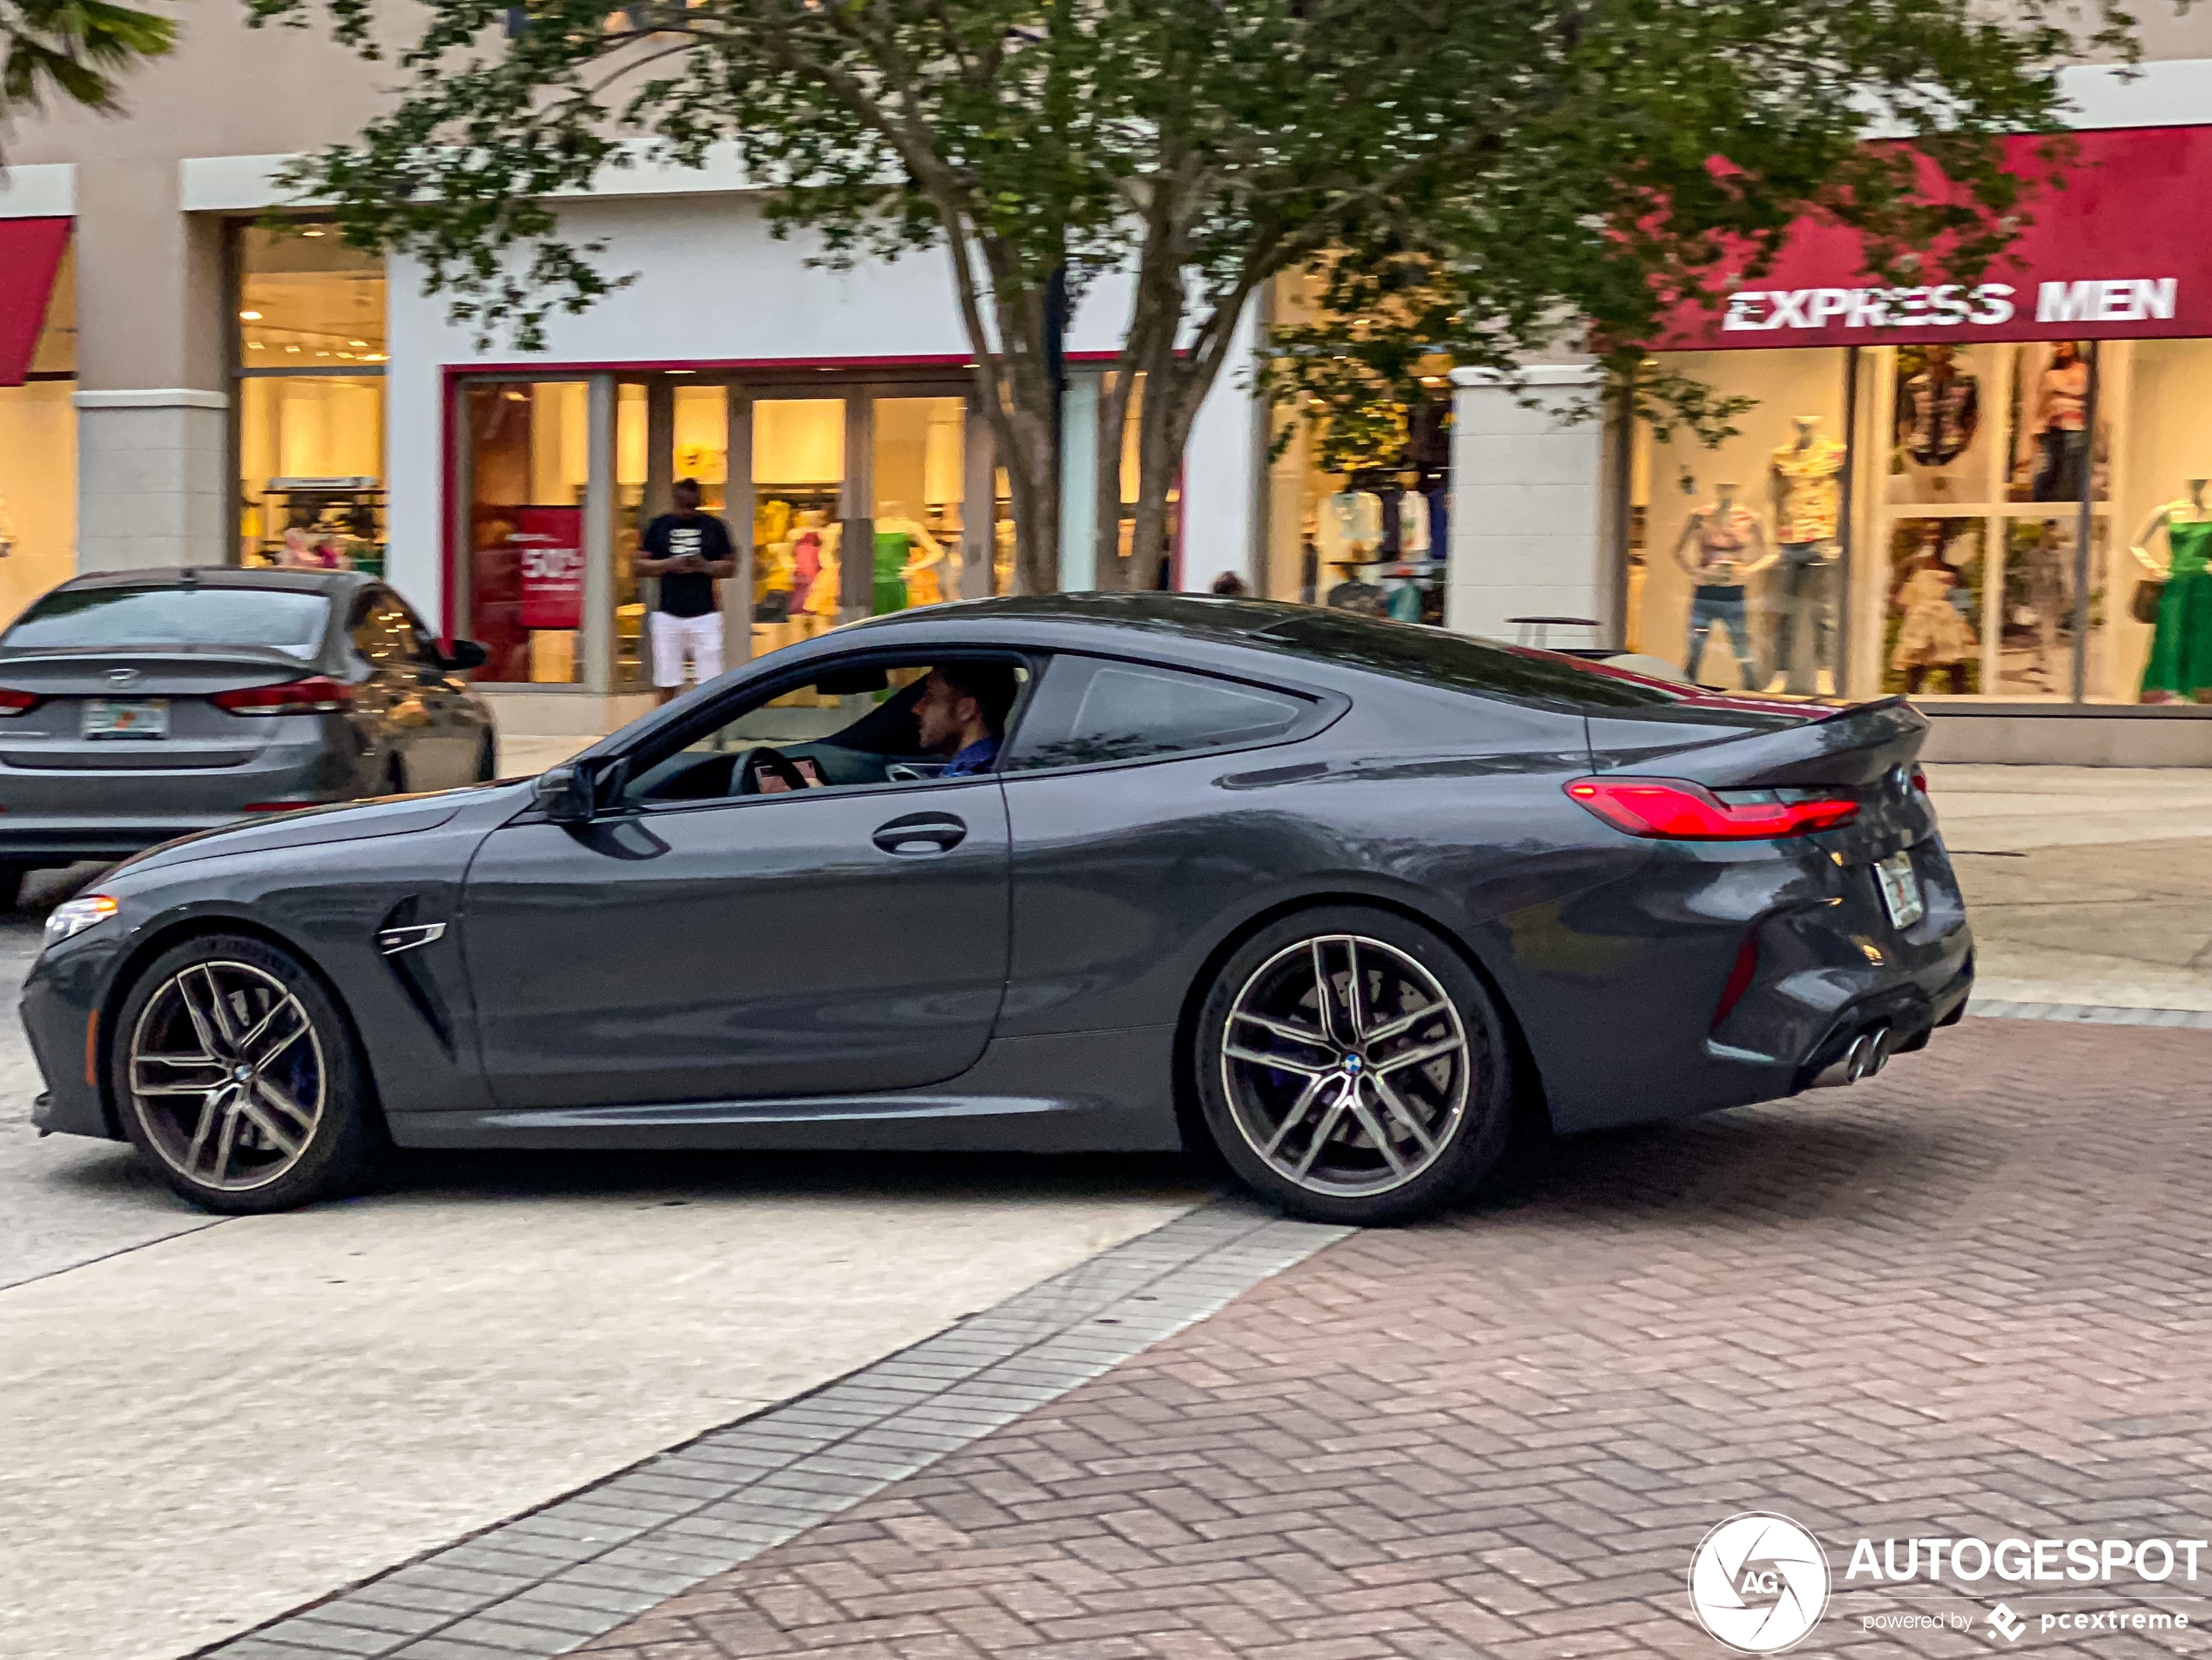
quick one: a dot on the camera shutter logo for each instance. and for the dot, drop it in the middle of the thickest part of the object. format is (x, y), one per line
(1758, 1582)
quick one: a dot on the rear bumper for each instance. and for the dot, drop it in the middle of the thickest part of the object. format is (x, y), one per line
(54, 818)
(1829, 964)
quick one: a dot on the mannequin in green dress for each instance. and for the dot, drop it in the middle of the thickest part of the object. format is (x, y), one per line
(2181, 647)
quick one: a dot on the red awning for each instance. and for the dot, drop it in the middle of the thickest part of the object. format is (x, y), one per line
(30, 251)
(2118, 253)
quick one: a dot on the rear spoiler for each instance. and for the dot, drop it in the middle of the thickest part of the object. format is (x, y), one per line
(1851, 746)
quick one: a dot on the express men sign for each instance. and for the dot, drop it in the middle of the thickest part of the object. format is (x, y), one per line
(2114, 255)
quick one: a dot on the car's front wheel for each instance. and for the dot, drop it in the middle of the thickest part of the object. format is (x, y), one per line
(1352, 1068)
(239, 1080)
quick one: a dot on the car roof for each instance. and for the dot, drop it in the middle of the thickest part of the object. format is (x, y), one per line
(1203, 616)
(312, 582)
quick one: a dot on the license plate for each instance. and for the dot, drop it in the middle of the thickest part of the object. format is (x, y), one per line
(1900, 886)
(113, 717)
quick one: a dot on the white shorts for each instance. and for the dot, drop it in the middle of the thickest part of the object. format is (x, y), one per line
(678, 640)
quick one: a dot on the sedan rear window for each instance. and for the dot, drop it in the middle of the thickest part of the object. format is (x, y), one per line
(1463, 664)
(100, 618)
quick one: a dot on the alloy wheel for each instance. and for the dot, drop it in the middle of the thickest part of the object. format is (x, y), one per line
(227, 1076)
(1346, 1065)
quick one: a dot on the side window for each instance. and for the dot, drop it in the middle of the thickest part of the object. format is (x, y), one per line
(882, 722)
(1093, 709)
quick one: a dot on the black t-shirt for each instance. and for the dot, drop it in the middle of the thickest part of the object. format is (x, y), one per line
(687, 593)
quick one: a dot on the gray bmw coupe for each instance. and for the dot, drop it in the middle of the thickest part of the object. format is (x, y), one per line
(1080, 871)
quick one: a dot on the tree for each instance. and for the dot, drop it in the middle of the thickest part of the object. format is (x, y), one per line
(1483, 178)
(75, 47)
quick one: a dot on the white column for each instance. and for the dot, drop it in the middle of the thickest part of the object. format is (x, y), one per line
(1079, 482)
(1224, 471)
(153, 477)
(1527, 503)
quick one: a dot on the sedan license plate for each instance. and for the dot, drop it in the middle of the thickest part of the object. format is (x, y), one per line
(115, 718)
(1900, 886)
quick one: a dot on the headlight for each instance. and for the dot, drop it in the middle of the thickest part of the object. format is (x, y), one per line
(75, 915)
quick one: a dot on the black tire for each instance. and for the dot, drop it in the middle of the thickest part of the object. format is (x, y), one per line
(394, 777)
(487, 759)
(12, 880)
(1443, 1121)
(312, 1084)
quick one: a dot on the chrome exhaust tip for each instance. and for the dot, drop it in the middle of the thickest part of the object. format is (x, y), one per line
(1865, 1054)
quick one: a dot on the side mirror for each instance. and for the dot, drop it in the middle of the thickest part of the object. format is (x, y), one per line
(466, 655)
(563, 794)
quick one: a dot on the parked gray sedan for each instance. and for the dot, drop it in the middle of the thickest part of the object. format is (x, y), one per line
(138, 706)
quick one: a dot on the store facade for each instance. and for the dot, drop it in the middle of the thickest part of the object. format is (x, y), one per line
(831, 418)
(1988, 496)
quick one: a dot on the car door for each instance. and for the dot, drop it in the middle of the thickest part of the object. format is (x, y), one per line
(840, 940)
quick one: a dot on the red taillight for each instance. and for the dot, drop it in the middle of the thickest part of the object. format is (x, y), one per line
(1920, 779)
(318, 693)
(1680, 811)
(15, 703)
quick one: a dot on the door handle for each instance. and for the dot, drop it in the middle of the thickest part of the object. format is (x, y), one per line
(921, 833)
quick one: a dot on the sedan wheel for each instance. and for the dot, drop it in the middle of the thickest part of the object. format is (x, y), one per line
(1354, 1073)
(236, 1078)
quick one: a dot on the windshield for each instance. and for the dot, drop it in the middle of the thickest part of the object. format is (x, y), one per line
(101, 618)
(1464, 665)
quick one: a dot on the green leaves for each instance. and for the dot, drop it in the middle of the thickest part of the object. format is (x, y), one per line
(75, 47)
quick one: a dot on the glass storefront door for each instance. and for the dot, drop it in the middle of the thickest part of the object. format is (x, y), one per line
(798, 517)
(842, 500)
(529, 470)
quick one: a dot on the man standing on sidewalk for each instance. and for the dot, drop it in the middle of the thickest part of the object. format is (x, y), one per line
(687, 549)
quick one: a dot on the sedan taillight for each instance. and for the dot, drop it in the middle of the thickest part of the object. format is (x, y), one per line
(316, 694)
(1676, 810)
(18, 703)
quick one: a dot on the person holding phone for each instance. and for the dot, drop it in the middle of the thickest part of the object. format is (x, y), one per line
(688, 550)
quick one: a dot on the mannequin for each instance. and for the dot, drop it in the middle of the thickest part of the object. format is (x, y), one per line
(2181, 650)
(806, 554)
(1349, 525)
(1933, 634)
(2061, 422)
(1413, 519)
(1806, 478)
(1939, 410)
(924, 553)
(826, 599)
(1722, 543)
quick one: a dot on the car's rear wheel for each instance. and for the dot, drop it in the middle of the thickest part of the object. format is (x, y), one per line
(1352, 1068)
(12, 880)
(487, 759)
(239, 1080)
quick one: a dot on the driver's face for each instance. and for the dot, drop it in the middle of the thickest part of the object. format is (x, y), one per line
(942, 715)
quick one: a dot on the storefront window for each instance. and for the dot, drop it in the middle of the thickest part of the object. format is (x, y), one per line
(1359, 505)
(308, 409)
(38, 458)
(798, 489)
(920, 444)
(529, 467)
(1912, 519)
(1738, 553)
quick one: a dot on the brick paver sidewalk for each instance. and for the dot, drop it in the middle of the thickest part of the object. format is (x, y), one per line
(1967, 1299)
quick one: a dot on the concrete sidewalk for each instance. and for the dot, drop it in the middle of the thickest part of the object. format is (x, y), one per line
(2086, 884)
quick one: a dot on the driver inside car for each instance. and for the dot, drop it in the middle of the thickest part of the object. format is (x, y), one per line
(962, 714)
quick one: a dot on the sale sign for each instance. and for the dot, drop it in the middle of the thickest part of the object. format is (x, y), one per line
(548, 547)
